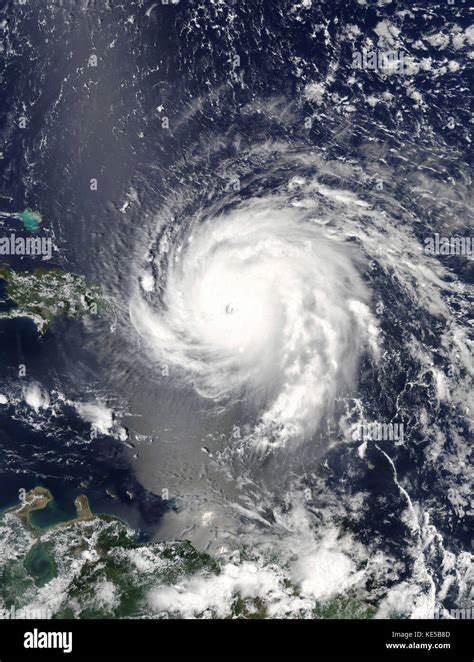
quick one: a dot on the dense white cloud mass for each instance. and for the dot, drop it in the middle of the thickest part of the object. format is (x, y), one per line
(262, 301)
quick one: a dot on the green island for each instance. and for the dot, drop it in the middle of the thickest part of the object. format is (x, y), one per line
(92, 566)
(44, 294)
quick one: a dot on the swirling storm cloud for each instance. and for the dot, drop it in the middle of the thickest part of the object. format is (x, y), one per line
(260, 303)
(268, 195)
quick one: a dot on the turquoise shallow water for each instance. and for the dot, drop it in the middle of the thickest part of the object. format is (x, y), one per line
(30, 219)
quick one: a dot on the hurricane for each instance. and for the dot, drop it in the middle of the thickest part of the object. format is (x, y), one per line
(260, 303)
(275, 202)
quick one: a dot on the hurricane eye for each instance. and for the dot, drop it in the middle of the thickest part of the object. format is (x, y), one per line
(263, 318)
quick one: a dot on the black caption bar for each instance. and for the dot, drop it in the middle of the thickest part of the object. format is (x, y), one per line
(323, 639)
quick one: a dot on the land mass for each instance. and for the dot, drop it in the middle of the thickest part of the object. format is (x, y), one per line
(38, 498)
(44, 294)
(103, 571)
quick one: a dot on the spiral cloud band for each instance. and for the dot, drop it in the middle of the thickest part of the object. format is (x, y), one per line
(260, 303)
